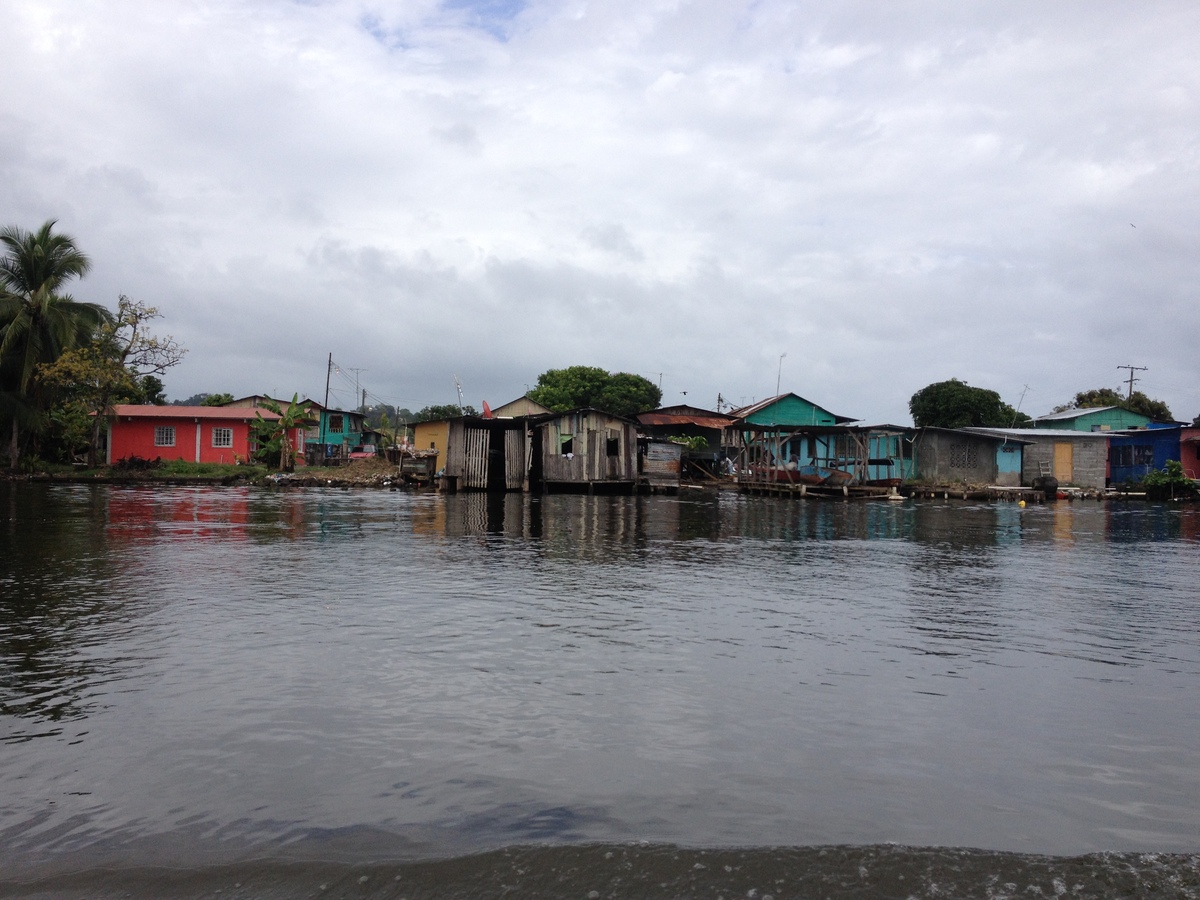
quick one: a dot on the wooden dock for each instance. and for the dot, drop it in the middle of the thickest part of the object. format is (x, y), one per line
(817, 491)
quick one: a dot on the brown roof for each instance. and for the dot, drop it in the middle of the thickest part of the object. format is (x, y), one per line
(134, 411)
(710, 421)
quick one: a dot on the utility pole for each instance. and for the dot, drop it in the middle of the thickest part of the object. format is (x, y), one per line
(1132, 369)
(323, 425)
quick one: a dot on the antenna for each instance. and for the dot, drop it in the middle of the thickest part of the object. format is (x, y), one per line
(1018, 409)
(458, 387)
(356, 371)
(1132, 369)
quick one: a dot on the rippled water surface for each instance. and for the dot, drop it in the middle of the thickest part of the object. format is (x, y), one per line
(209, 676)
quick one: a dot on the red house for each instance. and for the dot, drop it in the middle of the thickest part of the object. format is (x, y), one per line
(206, 434)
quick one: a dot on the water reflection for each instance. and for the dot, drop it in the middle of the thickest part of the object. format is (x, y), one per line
(60, 623)
(706, 669)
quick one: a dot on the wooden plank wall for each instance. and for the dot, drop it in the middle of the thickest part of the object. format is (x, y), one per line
(476, 463)
(590, 462)
(515, 459)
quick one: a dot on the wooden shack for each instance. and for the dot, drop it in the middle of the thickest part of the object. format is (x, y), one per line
(485, 454)
(585, 449)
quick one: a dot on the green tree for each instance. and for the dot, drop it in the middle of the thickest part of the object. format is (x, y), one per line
(621, 394)
(1136, 402)
(1169, 483)
(152, 391)
(38, 322)
(121, 363)
(216, 399)
(275, 435)
(955, 404)
(437, 412)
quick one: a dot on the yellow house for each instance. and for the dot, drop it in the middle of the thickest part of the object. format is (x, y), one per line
(432, 436)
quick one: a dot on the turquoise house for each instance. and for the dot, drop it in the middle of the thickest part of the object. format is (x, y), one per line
(1100, 418)
(791, 438)
(336, 431)
(790, 410)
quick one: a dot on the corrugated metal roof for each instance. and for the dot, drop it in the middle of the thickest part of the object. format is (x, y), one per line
(654, 418)
(747, 411)
(1073, 413)
(133, 410)
(1033, 434)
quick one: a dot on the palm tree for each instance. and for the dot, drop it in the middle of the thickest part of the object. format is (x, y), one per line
(37, 323)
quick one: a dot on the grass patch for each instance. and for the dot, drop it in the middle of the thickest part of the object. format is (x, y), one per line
(178, 468)
(164, 471)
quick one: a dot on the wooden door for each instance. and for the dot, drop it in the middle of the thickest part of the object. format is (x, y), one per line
(1064, 461)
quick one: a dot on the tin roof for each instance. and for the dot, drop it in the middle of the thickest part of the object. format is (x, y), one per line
(747, 411)
(1068, 414)
(1032, 435)
(700, 418)
(136, 411)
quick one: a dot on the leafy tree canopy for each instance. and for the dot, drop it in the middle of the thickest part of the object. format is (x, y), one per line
(194, 400)
(384, 416)
(216, 399)
(151, 391)
(621, 394)
(274, 436)
(1137, 402)
(955, 404)
(444, 411)
(37, 322)
(121, 363)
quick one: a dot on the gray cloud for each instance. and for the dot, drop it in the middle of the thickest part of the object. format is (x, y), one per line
(687, 191)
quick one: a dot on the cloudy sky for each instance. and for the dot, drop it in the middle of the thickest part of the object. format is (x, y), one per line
(890, 194)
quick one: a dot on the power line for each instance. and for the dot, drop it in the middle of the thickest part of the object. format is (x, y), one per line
(1132, 369)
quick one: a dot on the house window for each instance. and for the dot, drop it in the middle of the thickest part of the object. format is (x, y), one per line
(336, 424)
(612, 446)
(164, 435)
(963, 456)
(566, 444)
(1142, 455)
(222, 437)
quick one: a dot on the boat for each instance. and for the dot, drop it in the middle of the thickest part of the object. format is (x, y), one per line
(811, 475)
(838, 478)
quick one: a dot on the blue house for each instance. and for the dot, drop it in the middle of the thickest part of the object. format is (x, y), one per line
(1132, 455)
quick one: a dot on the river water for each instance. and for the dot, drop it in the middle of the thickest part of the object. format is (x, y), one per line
(371, 693)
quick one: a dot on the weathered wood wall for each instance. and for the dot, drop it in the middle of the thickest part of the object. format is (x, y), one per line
(590, 461)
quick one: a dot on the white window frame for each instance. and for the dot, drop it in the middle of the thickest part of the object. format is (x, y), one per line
(226, 435)
(164, 435)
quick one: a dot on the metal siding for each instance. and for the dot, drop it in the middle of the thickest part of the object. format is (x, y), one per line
(662, 463)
